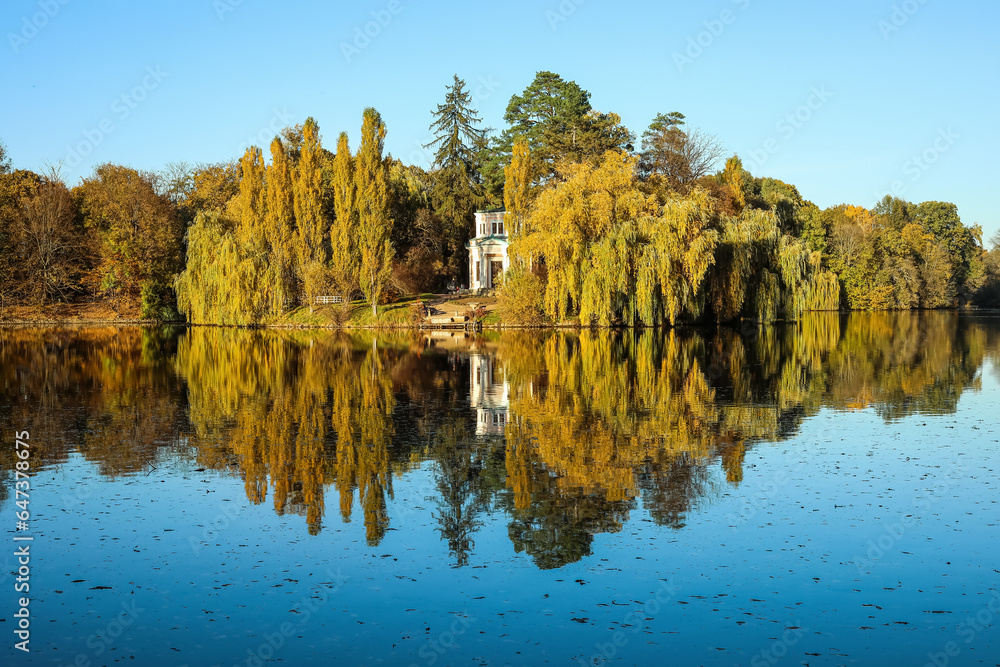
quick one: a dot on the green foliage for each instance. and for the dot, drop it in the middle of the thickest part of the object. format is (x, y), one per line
(457, 190)
(557, 120)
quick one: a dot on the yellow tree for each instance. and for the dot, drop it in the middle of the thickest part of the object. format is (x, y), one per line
(309, 218)
(584, 230)
(279, 228)
(518, 176)
(343, 257)
(374, 224)
(251, 290)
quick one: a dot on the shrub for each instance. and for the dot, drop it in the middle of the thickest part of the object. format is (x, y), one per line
(521, 299)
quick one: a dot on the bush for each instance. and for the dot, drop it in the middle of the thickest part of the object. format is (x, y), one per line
(419, 272)
(521, 299)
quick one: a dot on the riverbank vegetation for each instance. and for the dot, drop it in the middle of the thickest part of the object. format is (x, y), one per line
(606, 228)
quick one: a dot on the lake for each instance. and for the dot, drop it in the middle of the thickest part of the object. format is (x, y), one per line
(818, 493)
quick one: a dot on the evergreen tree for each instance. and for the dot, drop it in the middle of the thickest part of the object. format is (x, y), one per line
(374, 225)
(457, 191)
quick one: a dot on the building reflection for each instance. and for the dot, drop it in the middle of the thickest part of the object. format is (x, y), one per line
(489, 394)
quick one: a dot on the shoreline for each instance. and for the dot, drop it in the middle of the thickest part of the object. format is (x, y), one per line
(138, 322)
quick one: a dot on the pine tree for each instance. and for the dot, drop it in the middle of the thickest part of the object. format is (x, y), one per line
(374, 224)
(458, 190)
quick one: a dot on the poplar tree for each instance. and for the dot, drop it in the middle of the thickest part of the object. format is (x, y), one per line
(374, 224)
(518, 176)
(279, 225)
(343, 246)
(308, 198)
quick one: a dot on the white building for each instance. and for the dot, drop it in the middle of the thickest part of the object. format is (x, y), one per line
(489, 394)
(488, 250)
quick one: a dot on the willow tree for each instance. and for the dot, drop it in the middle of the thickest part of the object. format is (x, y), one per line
(205, 287)
(250, 292)
(568, 220)
(309, 218)
(280, 228)
(343, 231)
(674, 263)
(374, 225)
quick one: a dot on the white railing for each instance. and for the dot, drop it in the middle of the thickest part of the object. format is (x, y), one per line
(326, 300)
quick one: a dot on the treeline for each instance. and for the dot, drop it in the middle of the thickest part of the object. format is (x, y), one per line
(605, 229)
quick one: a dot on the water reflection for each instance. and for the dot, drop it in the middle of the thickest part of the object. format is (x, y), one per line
(561, 435)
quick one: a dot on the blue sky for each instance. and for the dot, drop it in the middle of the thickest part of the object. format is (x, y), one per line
(846, 100)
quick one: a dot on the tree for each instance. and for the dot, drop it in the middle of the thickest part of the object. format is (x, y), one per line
(176, 181)
(374, 224)
(14, 188)
(557, 120)
(343, 239)
(139, 236)
(677, 156)
(517, 190)
(280, 228)
(739, 182)
(457, 191)
(4, 159)
(311, 236)
(51, 250)
(212, 186)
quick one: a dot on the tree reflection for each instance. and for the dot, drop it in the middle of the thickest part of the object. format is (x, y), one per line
(563, 434)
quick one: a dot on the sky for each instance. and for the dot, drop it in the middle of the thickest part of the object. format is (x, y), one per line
(848, 101)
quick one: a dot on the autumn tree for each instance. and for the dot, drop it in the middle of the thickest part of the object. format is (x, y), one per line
(343, 232)
(212, 186)
(312, 230)
(15, 187)
(139, 236)
(676, 155)
(518, 175)
(279, 229)
(374, 224)
(4, 159)
(52, 251)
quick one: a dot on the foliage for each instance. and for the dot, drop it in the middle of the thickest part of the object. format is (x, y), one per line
(457, 190)
(676, 156)
(343, 232)
(374, 224)
(559, 124)
(518, 176)
(521, 299)
(139, 234)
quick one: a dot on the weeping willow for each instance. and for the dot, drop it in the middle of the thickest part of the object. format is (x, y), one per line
(613, 253)
(239, 268)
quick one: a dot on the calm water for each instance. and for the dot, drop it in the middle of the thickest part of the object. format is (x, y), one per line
(820, 494)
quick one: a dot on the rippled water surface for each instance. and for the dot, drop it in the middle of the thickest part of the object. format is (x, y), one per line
(824, 493)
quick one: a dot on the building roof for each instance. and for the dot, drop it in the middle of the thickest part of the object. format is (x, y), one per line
(492, 210)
